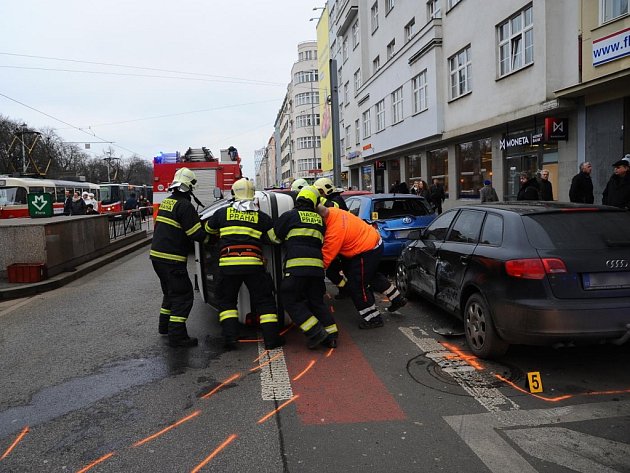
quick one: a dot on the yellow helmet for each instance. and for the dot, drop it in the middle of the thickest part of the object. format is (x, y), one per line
(309, 194)
(184, 180)
(325, 185)
(243, 189)
(298, 184)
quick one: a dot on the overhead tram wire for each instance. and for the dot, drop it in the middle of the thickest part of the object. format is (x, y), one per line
(143, 68)
(72, 126)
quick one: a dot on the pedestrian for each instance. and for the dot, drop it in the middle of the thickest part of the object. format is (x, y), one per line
(176, 224)
(331, 194)
(301, 230)
(487, 192)
(131, 203)
(242, 228)
(403, 188)
(89, 210)
(420, 188)
(529, 189)
(91, 200)
(394, 188)
(437, 195)
(361, 247)
(77, 206)
(617, 192)
(581, 190)
(546, 189)
(67, 203)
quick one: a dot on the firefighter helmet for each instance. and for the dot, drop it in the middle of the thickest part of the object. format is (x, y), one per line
(299, 184)
(243, 189)
(325, 185)
(309, 194)
(184, 180)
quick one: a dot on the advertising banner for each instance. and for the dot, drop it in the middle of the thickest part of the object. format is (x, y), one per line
(324, 92)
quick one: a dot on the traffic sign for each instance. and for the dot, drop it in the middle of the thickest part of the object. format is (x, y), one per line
(40, 204)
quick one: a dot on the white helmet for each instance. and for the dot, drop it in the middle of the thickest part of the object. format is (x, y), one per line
(184, 180)
(243, 189)
(297, 185)
(325, 185)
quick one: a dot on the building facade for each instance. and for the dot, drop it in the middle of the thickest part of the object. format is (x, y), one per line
(457, 90)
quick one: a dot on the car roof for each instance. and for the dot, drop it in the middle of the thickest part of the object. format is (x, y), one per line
(524, 207)
(388, 196)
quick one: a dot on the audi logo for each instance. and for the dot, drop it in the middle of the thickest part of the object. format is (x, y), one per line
(617, 263)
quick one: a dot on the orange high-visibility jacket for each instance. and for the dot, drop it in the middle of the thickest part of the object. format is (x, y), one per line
(347, 235)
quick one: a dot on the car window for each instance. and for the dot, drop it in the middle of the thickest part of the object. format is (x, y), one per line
(492, 233)
(396, 208)
(467, 226)
(438, 229)
(578, 230)
(353, 206)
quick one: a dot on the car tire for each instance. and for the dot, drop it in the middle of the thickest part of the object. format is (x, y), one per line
(481, 335)
(402, 279)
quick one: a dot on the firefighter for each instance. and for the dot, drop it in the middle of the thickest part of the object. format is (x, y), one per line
(303, 288)
(361, 247)
(176, 224)
(241, 228)
(328, 190)
(298, 184)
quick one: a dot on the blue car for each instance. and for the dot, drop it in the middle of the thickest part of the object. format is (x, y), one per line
(394, 215)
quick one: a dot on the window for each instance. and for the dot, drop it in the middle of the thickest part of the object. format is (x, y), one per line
(307, 142)
(306, 98)
(357, 132)
(355, 34)
(492, 233)
(307, 55)
(358, 82)
(433, 9)
(353, 206)
(389, 4)
(391, 49)
(308, 164)
(397, 105)
(306, 120)
(439, 227)
(474, 164)
(438, 167)
(380, 115)
(467, 226)
(306, 76)
(419, 90)
(344, 51)
(516, 42)
(367, 128)
(452, 3)
(347, 137)
(374, 17)
(346, 92)
(611, 9)
(410, 30)
(461, 73)
(376, 64)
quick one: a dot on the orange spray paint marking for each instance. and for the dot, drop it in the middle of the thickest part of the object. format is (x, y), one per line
(17, 440)
(227, 381)
(96, 462)
(310, 365)
(206, 460)
(163, 431)
(263, 354)
(544, 398)
(286, 329)
(250, 340)
(266, 362)
(330, 352)
(470, 359)
(275, 411)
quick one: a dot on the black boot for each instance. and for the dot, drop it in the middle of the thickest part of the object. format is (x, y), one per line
(178, 336)
(343, 293)
(374, 322)
(397, 303)
(315, 339)
(330, 342)
(163, 325)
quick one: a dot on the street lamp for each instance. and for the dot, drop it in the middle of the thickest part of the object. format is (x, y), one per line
(24, 131)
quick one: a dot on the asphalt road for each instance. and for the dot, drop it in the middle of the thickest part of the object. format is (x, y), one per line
(88, 385)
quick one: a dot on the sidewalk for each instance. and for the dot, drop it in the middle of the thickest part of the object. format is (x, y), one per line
(17, 290)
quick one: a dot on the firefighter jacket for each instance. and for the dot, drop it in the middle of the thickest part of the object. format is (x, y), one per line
(241, 235)
(328, 203)
(176, 224)
(302, 231)
(347, 235)
(337, 199)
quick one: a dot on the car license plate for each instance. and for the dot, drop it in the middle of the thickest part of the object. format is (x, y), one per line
(401, 234)
(620, 280)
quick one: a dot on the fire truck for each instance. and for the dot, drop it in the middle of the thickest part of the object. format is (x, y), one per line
(212, 173)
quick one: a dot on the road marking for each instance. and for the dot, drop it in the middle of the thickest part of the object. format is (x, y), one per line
(482, 433)
(6, 307)
(470, 379)
(275, 384)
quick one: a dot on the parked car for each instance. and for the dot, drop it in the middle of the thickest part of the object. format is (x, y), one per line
(525, 273)
(394, 215)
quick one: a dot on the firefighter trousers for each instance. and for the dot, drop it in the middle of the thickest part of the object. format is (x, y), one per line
(260, 287)
(177, 298)
(303, 299)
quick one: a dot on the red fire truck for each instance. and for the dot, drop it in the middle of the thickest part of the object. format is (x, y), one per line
(211, 173)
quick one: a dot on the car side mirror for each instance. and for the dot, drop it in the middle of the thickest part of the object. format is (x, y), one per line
(415, 234)
(217, 193)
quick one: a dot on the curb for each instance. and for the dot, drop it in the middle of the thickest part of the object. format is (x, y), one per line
(62, 279)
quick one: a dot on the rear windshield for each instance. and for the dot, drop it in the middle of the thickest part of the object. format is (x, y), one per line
(394, 208)
(578, 230)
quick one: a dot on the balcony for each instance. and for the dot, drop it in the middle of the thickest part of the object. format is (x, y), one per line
(345, 16)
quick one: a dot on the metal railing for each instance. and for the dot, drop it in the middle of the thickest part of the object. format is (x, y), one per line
(130, 221)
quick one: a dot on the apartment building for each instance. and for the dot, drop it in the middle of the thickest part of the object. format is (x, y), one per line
(265, 165)
(457, 90)
(298, 139)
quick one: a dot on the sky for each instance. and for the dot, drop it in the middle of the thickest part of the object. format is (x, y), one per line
(152, 76)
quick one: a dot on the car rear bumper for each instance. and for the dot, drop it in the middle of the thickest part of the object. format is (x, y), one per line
(539, 323)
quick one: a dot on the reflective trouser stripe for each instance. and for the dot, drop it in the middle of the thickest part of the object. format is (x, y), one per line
(331, 328)
(168, 256)
(369, 313)
(267, 318)
(309, 324)
(165, 311)
(228, 314)
(392, 292)
(175, 318)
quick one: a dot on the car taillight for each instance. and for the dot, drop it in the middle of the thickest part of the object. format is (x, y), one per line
(534, 268)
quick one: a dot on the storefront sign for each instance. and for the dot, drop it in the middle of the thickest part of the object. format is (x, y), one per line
(354, 154)
(611, 47)
(556, 129)
(513, 141)
(537, 138)
(380, 165)
(367, 146)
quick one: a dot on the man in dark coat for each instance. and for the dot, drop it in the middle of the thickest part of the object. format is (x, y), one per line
(530, 189)
(437, 195)
(546, 190)
(617, 192)
(581, 190)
